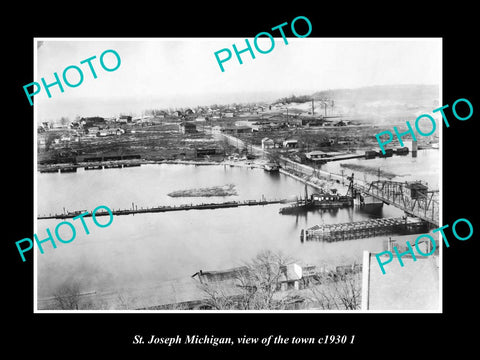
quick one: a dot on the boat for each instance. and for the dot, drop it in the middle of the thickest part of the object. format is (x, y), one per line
(271, 167)
(323, 200)
(77, 212)
(113, 166)
(93, 167)
(54, 170)
(68, 169)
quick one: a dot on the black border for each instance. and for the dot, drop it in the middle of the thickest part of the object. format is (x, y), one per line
(113, 333)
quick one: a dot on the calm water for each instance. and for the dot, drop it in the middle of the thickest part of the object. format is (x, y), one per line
(138, 250)
(424, 167)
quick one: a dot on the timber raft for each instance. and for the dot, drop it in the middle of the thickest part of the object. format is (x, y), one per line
(364, 229)
(133, 211)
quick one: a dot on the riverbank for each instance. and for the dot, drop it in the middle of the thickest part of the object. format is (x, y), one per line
(98, 165)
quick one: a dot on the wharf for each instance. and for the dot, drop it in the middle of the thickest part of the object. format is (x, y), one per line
(133, 211)
(344, 157)
(363, 229)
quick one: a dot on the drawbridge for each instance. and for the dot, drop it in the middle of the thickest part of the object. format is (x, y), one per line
(414, 197)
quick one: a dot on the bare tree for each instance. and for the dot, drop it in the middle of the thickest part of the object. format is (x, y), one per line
(67, 296)
(263, 279)
(338, 291)
(218, 296)
(252, 287)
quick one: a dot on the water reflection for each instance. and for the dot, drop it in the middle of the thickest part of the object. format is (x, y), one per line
(138, 250)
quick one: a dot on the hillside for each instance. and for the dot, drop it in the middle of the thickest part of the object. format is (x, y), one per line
(377, 103)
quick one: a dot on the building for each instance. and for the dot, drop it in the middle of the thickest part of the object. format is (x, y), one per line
(292, 144)
(41, 143)
(111, 132)
(236, 129)
(411, 285)
(316, 155)
(93, 131)
(370, 154)
(124, 119)
(188, 128)
(267, 143)
(290, 277)
(202, 152)
(216, 129)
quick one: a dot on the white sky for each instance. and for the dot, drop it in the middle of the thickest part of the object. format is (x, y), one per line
(163, 73)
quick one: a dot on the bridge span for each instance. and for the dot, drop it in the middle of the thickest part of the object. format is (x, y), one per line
(413, 197)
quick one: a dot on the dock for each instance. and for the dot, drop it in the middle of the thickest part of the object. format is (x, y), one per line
(133, 211)
(364, 229)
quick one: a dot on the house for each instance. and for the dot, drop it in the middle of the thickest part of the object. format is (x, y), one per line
(292, 144)
(124, 119)
(200, 119)
(188, 128)
(41, 142)
(216, 129)
(267, 143)
(228, 114)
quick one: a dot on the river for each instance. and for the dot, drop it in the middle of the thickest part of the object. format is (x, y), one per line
(140, 250)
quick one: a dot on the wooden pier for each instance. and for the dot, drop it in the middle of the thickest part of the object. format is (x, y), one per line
(364, 229)
(133, 211)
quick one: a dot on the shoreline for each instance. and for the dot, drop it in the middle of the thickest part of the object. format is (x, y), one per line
(127, 163)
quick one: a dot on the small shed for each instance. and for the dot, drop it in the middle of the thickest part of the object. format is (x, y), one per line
(267, 143)
(290, 143)
(291, 276)
(188, 128)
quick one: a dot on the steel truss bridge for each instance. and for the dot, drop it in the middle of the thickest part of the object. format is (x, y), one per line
(414, 197)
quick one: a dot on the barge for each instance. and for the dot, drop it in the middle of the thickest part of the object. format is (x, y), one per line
(323, 200)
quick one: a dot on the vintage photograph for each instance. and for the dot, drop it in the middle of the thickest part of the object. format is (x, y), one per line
(167, 183)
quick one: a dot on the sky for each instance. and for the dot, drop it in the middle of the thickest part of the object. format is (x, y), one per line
(183, 72)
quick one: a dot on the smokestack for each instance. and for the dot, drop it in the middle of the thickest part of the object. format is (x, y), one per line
(414, 148)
